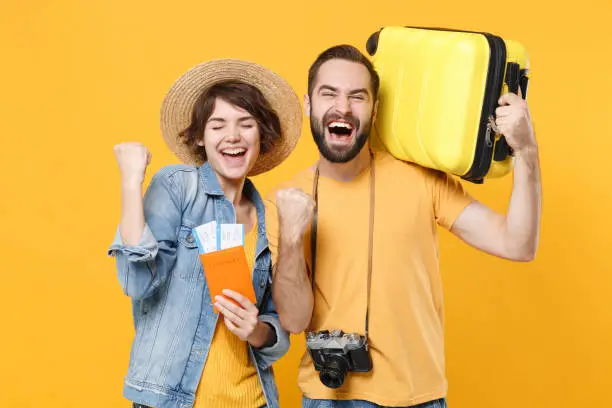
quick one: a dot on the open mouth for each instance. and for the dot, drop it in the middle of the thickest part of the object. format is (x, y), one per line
(340, 130)
(234, 152)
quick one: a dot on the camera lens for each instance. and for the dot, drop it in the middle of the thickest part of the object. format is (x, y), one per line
(333, 372)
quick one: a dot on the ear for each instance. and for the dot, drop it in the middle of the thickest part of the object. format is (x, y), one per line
(375, 111)
(307, 105)
(200, 141)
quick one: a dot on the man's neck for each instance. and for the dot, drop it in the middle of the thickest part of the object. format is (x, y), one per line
(345, 171)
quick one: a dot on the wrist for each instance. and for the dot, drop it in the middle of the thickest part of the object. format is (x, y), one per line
(131, 182)
(290, 240)
(527, 166)
(263, 335)
(527, 153)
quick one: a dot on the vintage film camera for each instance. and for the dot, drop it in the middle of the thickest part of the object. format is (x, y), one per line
(335, 354)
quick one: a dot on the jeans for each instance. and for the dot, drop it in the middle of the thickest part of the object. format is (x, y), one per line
(309, 403)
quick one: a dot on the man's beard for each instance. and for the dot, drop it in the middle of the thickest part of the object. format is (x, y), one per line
(339, 155)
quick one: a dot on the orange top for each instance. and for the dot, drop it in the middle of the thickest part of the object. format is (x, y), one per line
(406, 312)
(230, 379)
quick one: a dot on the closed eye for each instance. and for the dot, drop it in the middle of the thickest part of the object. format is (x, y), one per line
(247, 123)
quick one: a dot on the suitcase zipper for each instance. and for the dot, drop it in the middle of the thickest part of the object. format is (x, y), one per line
(484, 145)
(488, 140)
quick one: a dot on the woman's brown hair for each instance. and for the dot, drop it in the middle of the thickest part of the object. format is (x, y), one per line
(239, 94)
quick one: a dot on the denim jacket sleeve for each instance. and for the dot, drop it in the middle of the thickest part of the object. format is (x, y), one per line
(269, 355)
(141, 269)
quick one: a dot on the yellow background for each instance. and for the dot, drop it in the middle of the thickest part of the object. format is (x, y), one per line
(78, 77)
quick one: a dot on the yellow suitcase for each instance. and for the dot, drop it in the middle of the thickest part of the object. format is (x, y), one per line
(438, 94)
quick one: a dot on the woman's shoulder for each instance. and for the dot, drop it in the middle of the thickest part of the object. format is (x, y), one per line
(178, 179)
(172, 170)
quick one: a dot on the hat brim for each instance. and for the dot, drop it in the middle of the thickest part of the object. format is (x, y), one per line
(179, 101)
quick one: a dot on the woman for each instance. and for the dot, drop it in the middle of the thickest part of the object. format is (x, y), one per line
(224, 119)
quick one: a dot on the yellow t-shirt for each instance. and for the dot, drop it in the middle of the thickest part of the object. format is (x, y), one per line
(406, 314)
(230, 379)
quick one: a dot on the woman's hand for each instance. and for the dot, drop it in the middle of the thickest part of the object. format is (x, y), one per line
(243, 320)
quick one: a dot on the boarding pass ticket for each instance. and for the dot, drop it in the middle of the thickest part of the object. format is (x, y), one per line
(214, 236)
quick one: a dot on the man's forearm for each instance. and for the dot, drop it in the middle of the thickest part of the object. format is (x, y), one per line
(524, 211)
(291, 289)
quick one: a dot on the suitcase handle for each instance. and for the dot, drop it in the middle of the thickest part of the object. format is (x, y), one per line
(515, 78)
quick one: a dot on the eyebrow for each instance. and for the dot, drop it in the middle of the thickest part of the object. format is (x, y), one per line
(327, 88)
(358, 91)
(353, 92)
(242, 119)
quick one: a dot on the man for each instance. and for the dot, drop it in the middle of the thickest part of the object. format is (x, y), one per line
(394, 247)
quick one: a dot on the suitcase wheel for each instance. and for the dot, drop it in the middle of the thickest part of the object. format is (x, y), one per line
(372, 43)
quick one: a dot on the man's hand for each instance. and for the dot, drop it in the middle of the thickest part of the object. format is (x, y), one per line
(516, 235)
(291, 288)
(295, 211)
(514, 122)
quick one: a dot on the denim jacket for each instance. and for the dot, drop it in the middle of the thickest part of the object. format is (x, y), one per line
(171, 305)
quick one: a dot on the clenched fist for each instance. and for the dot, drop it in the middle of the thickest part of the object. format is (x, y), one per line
(295, 212)
(514, 122)
(133, 159)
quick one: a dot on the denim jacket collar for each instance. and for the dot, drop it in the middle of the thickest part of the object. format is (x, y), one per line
(210, 183)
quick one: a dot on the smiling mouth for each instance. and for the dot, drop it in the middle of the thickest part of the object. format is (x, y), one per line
(340, 129)
(234, 152)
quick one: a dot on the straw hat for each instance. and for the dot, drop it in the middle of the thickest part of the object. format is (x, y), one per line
(178, 104)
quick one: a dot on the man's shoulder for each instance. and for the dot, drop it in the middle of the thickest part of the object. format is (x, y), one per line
(413, 178)
(399, 169)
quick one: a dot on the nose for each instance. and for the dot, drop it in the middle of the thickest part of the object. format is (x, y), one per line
(343, 105)
(233, 135)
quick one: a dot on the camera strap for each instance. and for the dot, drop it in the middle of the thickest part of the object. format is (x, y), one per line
(313, 240)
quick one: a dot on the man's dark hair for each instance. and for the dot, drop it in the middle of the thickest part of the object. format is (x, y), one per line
(344, 52)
